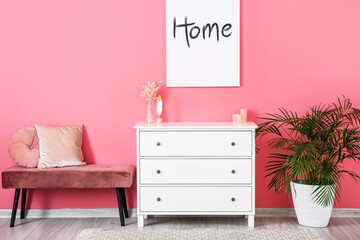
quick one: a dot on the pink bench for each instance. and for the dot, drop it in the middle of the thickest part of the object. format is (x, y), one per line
(88, 176)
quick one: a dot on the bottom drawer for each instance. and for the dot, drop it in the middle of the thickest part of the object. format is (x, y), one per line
(195, 199)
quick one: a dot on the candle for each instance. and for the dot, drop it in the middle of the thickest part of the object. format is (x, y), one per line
(244, 115)
(236, 118)
(159, 108)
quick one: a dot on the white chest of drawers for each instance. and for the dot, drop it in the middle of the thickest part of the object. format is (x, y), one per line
(195, 169)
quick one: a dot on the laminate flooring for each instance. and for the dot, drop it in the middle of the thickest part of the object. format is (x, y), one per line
(69, 228)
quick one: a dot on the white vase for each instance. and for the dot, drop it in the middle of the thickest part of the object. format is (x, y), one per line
(307, 211)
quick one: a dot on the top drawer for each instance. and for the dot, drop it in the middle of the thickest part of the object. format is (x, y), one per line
(196, 144)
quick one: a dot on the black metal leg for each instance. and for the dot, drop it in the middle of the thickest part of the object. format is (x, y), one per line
(123, 200)
(121, 207)
(13, 213)
(23, 203)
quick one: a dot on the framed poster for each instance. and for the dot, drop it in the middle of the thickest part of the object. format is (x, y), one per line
(202, 43)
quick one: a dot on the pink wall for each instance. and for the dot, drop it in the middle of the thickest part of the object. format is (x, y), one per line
(72, 61)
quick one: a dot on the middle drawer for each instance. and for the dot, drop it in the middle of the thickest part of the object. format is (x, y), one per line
(190, 171)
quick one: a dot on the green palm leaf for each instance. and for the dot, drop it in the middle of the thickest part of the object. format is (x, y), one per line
(312, 147)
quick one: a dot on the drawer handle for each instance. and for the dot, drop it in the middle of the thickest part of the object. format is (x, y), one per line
(233, 199)
(158, 199)
(158, 171)
(233, 171)
(158, 144)
(233, 144)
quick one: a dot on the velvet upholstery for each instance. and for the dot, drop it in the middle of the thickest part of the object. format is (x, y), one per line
(60, 146)
(88, 176)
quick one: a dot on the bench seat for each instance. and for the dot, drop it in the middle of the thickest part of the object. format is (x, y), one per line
(88, 176)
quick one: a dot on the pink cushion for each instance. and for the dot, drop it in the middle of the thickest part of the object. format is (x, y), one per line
(24, 147)
(88, 176)
(60, 146)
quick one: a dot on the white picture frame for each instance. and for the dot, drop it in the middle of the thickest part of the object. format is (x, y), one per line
(203, 43)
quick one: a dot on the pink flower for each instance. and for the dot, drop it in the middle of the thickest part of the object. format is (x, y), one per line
(150, 91)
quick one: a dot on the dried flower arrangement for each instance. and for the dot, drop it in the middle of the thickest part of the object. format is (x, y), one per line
(149, 93)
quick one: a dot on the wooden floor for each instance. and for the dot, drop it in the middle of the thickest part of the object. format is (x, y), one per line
(339, 228)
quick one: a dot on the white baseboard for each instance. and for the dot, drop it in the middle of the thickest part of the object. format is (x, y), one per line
(114, 212)
(69, 213)
(290, 212)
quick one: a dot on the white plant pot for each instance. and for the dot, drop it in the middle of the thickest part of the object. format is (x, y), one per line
(307, 211)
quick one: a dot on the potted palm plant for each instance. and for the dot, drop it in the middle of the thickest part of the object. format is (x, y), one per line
(307, 156)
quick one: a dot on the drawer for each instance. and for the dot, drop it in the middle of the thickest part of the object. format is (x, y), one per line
(196, 144)
(201, 171)
(195, 199)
